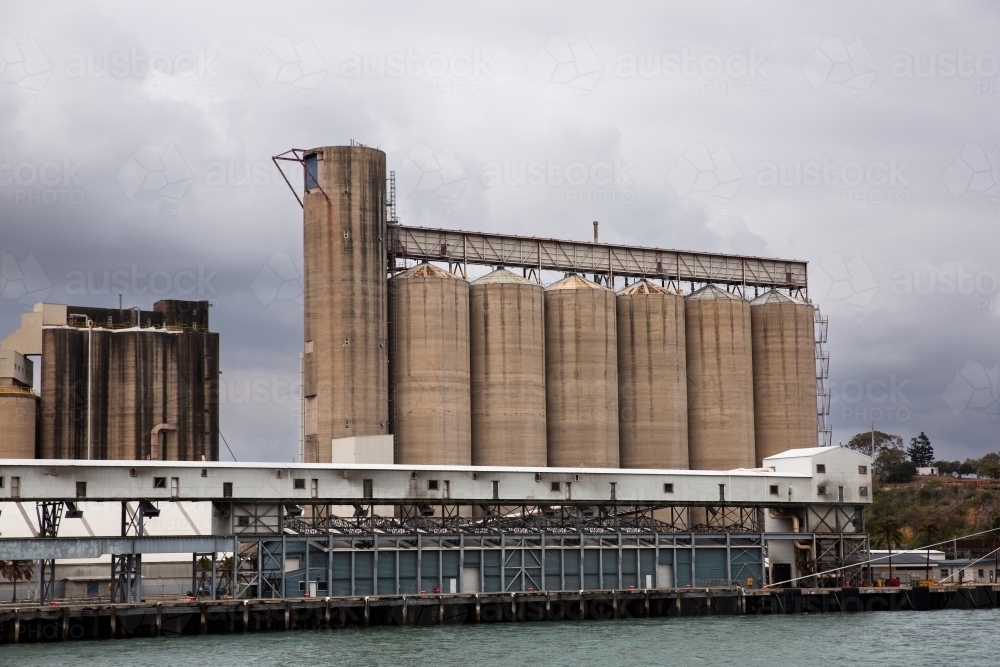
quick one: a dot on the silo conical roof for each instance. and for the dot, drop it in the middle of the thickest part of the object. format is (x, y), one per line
(501, 276)
(643, 287)
(774, 296)
(427, 271)
(713, 292)
(574, 282)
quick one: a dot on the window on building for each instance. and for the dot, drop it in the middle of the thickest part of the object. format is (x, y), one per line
(175, 487)
(820, 467)
(840, 494)
(862, 470)
(243, 520)
(668, 488)
(863, 491)
(159, 482)
(614, 487)
(944, 573)
(227, 489)
(81, 489)
(774, 489)
(15, 487)
(299, 483)
(821, 489)
(314, 488)
(432, 485)
(722, 493)
(496, 489)
(367, 484)
(556, 486)
(312, 171)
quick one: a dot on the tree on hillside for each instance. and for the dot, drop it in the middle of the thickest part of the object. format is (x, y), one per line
(862, 442)
(920, 451)
(891, 466)
(989, 466)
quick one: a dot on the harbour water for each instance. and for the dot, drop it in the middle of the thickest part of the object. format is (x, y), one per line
(914, 639)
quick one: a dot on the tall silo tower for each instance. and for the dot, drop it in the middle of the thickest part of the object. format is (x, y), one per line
(345, 363)
(507, 344)
(652, 377)
(720, 380)
(784, 373)
(581, 374)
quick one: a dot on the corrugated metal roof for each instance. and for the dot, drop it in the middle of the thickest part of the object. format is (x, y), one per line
(425, 271)
(713, 292)
(502, 276)
(575, 282)
(644, 287)
(774, 296)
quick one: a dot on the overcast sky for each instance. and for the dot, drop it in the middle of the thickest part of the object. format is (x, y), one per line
(861, 139)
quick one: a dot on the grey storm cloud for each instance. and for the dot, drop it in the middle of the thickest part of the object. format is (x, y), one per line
(135, 148)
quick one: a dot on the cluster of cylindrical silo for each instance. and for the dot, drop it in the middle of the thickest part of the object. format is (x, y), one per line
(504, 372)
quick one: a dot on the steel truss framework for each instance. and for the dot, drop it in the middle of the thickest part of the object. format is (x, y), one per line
(49, 516)
(376, 564)
(606, 261)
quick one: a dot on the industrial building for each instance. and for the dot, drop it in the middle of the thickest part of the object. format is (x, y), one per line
(613, 364)
(582, 416)
(117, 383)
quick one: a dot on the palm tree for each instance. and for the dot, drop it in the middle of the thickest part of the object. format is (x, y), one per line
(888, 533)
(15, 571)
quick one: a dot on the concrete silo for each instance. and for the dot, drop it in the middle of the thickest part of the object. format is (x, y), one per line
(652, 377)
(431, 404)
(507, 344)
(18, 406)
(784, 373)
(581, 374)
(345, 361)
(719, 380)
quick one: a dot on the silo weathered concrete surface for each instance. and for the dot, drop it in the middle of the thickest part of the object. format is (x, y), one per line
(784, 374)
(17, 423)
(581, 374)
(720, 380)
(346, 384)
(431, 402)
(652, 377)
(507, 346)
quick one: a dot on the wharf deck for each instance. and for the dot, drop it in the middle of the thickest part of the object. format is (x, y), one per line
(97, 620)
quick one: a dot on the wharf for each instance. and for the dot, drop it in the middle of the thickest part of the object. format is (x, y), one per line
(153, 618)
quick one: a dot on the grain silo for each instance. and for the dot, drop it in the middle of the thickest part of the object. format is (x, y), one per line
(719, 380)
(784, 374)
(581, 374)
(345, 364)
(18, 406)
(652, 377)
(507, 345)
(431, 410)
